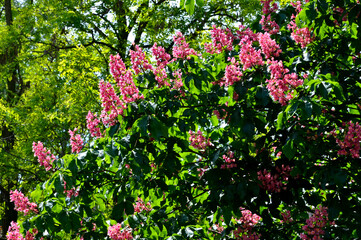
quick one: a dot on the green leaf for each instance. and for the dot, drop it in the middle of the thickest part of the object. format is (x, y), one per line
(248, 129)
(227, 214)
(292, 108)
(288, 149)
(324, 5)
(325, 88)
(194, 87)
(157, 128)
(36, 194)
(311, 12)
(280, 120)
(63, 218)
(308, 109)
(73, 167)
(59, 183)
(200, 3)
(142, 124)
(129, 208)
(100, 203)
(113, 129)
(118, 210)
(189, 5)
(262, 96)
(214, 120)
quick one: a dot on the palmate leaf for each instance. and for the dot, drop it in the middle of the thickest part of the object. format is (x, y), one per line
(189, 6)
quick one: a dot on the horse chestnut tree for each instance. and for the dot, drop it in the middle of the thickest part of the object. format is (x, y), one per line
(253, 135)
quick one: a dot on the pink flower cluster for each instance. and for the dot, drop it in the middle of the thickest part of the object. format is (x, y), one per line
(202, 171)
(230, 161)
(138, 59)
(249, 56)
(14, 233)
(76, 141)
(198, 141)
(160, 55)
(277, 182)
(124, 78)
(281, 83)
(117, 233)
(112, 105)
(45, 158)
(218, 228)
(315, 224)
(245, 35)
(269, 6)
(22, 203)
(218, 114)
(162, 59)
(221, 39)
(269, 46)
(232, 74)
(300, 35)
(286, 215)
(338, 11)
(71, 192)
(177, 81)
(140, 206)
(181, 47)
(247, 221)
(350, 141)
(92, 125)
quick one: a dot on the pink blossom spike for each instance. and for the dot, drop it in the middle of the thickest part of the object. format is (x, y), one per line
(247, 221)
(160, 55)
(92, 125)
(282, 83)
(268, 25)
(315, 224)
(22, 203)
(14, 232)
(124, 80)
(177, 82)
(181, 47)
(76, 141)
(198, 141)
(269, 46)
(276, 182)
(230, 161)
(45, 158)
(138, 59)
(221, 40)
(250, 57)
(301, 36)
(112, 105)
(233, 73)
(349, 139)
(117, 233)
(140, 206)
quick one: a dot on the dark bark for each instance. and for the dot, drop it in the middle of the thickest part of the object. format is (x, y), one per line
(122, 31)
(10, 214)
(8, 12)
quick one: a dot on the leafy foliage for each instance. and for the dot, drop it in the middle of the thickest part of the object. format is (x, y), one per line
(52, 54)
